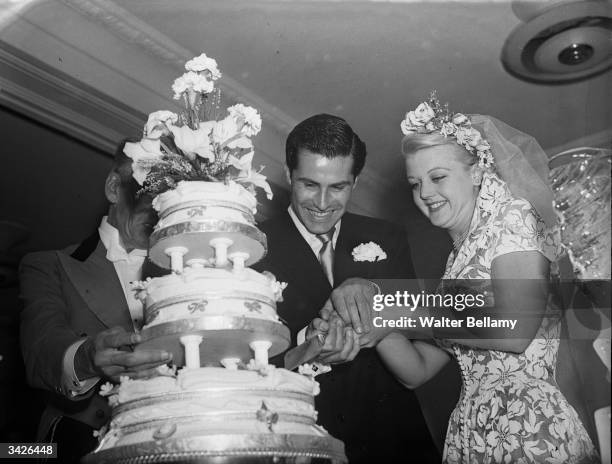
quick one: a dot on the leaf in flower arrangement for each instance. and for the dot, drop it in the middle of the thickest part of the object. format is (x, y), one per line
(239, 141)
(243, 163)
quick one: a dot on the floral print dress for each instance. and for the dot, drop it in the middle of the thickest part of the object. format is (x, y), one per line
(510, 409)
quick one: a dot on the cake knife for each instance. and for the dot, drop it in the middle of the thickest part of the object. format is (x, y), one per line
(304, 353)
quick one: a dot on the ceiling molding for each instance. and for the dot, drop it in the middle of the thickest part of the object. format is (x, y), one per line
(126, 26)
(59, 117)
(60, 101)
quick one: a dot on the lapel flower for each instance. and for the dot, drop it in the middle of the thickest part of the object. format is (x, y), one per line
(368, 252)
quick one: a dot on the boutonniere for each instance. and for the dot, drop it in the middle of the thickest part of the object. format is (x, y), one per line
(368, 252)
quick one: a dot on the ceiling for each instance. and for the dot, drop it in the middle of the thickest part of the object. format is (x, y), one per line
(94, 68)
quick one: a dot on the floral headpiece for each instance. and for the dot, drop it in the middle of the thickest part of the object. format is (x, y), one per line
(195, 145)
(432, 117)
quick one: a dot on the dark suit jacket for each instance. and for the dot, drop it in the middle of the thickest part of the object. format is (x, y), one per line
(360, 402)
(67, 295)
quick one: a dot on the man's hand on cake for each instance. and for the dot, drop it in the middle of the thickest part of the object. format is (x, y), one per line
(352, 300)
(110, 354)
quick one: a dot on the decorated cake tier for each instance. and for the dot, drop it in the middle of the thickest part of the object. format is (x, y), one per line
(239, 413)
(229, 309)
(210, 292)
(209, 221)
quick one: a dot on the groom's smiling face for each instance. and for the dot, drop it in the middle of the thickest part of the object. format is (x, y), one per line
(321, 188)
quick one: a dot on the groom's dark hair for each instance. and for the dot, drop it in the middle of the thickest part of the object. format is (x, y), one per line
(325, 135)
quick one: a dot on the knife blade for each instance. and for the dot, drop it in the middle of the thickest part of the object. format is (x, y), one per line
(304, 353)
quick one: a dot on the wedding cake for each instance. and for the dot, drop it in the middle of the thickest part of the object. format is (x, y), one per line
(221, 400)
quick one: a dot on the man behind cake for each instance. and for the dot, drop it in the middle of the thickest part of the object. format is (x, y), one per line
(79, 316)
(310, 247)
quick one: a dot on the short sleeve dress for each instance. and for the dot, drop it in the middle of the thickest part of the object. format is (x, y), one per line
(510, 409)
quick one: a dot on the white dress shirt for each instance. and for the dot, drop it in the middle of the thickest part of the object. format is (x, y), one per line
(129, 268)
(315, 245)
(312, 240)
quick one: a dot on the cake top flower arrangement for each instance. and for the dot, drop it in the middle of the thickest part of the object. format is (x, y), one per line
(195, 145)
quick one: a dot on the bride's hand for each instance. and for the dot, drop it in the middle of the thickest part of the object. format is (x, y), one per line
(341, 343)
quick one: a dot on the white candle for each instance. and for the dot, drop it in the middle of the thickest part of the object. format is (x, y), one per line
(230, 363)
(221, 244)
(176, 257)
(260, 348)
(238, 259)
(192, 350)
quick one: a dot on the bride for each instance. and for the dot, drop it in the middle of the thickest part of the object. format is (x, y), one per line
(472, 176)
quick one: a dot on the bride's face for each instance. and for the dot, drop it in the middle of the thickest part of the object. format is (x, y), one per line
(442, 185)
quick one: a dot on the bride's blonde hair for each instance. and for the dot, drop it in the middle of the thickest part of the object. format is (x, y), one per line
(412, 143)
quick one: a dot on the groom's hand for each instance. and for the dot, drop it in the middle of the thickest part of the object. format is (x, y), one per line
(367, 340)
(352, 300)
(341, 343)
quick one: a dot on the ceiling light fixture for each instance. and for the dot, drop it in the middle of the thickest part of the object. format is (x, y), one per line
(565, 42)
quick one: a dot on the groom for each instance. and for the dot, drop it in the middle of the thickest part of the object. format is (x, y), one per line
(310, 248)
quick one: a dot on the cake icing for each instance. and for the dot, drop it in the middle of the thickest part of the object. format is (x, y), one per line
(201, 291)
(211, 401)
(205, 201)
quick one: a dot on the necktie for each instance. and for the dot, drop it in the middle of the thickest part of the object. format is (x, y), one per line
(326, 255)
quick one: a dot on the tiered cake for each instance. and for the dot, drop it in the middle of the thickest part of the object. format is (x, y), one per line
(211, 311)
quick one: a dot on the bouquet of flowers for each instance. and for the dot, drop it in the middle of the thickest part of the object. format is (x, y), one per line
(195, 145)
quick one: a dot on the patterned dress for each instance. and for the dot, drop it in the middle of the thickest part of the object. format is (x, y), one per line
(510, 409)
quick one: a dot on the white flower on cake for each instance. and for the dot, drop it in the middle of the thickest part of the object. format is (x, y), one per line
(145, 154)
(276, 286)
(247, 118)
(194, 142)
(228, 133)
(314, 369)
(258, 180)
(194, 145)
(264, 371)
(369, 252)
(203, 63)
(106, 389)
(157, 124)
(192, 82)
(307, 370)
